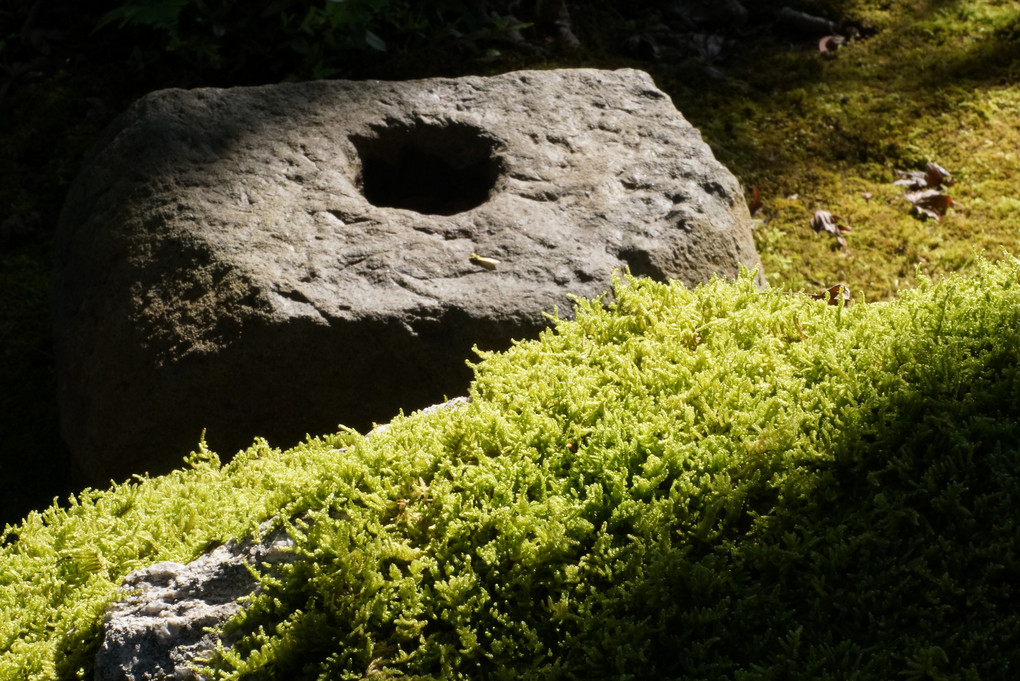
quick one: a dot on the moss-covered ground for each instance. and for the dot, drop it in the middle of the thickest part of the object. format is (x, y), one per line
(928, 82)
(714, 484)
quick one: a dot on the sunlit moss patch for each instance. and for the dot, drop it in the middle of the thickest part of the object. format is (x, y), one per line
(926, 82)
(716, 484)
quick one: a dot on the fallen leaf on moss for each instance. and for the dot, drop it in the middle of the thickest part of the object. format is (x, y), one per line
(929, 203)
(837, 295)
(833, 224)
(933, 175)
(754, 205)
(938, 176)
(831, 43)
(914, 179)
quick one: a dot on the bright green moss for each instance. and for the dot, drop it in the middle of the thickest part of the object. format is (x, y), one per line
(722, 483)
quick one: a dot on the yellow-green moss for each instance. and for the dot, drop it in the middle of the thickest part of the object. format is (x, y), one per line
(719, 483)
(927, 81)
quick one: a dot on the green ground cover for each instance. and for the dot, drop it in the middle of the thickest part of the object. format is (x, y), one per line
(927, 82)
(724, 483)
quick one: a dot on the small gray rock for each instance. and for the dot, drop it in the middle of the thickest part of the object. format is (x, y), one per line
(158, 628)
(278, 260)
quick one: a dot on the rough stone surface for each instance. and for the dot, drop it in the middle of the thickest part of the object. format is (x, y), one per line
(275, 261)
(158, 628)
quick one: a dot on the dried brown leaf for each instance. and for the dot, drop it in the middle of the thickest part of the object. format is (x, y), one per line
(933, 176)
(754, 205)
(912, 180)
(929, 203)
(831, 43)
(937, 176)
(824, 221)
(835, 295)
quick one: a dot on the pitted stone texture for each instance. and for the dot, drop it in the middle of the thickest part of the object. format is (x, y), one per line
(166, 617)
(220, 268)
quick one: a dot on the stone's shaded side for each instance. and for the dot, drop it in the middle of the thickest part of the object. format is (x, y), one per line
(275, 261)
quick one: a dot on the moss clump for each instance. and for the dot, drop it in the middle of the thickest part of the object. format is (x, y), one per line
(926, 81)
(712, 484)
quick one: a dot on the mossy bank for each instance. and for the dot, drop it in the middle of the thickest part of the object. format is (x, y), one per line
(723, 483)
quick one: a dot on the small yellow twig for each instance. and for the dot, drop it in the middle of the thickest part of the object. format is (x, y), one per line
(487, 263)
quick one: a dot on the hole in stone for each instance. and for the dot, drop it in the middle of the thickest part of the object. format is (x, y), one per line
(640, 264)
(434, 169)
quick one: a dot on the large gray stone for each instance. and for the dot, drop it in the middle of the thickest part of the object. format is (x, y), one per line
(275, 261)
